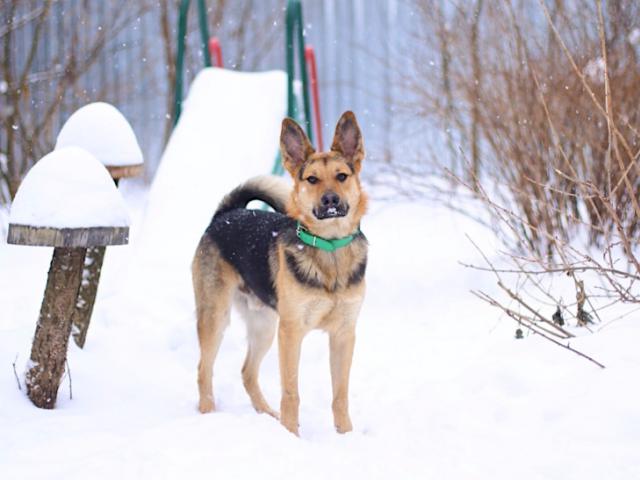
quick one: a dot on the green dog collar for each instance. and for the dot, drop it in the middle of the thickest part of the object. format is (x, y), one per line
(323, 243)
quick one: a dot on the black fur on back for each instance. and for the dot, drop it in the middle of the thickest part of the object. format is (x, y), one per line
(245, 239)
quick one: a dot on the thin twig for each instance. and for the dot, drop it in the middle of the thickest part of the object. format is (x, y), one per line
(16, 373)
(70, 383)
(560, 344)
(577, 268)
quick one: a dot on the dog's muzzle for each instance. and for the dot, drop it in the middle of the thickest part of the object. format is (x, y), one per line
(330, 207)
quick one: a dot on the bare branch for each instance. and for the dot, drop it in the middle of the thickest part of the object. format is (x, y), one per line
(15, 373)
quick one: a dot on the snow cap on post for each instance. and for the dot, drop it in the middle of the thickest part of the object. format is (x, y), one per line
(68, 188)
(103, 131)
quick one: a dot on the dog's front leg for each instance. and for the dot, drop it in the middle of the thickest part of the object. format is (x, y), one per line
(341, 343)
(289, 341)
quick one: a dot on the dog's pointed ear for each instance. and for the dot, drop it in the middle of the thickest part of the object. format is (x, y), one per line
(348, 140)
(294, 146)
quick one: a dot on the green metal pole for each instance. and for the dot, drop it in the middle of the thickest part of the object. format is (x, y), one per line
(290, 23)
(278, 168)
(182, 32)
(303, 72)
(204, 32)
(294, 25)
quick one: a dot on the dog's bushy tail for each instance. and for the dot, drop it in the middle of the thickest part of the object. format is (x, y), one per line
(272, 190)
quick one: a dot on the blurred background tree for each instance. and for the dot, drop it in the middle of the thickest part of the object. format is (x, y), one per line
(530, 107)
(518, 102)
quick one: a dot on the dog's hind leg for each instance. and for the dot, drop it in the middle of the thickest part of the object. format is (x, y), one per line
(261, 324)
(214, 282)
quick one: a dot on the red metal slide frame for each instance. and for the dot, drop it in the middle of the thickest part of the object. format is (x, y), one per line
(310, 58)
(215, 52)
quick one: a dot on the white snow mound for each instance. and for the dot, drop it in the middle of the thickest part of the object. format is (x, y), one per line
(69, 188)
(229, 131)
(103, 131)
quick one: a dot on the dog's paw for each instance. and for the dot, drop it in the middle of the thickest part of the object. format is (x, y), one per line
(269, 411)
(206, 405)
(292, 426)
(344, 425)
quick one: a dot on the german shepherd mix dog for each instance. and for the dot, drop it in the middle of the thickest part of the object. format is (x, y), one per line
(303, 263)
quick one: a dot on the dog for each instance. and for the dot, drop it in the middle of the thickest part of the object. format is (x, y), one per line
(298, 268)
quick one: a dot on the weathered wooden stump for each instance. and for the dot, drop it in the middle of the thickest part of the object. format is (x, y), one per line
(49, 349)
(66, 201)
(93, 260)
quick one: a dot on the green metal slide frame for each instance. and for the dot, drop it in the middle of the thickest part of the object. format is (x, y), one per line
(294, 34)
(182, 33)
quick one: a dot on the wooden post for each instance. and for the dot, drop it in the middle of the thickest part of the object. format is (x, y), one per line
(86, 294)
(93, 261)
(50, 342)
(49, 349)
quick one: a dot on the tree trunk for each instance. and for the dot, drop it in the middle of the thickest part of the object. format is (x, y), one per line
(83, 307)
(49, 349)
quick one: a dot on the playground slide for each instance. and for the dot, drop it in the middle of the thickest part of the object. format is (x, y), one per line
(229, 131)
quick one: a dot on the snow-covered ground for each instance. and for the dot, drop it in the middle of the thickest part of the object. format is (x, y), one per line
(439, 388)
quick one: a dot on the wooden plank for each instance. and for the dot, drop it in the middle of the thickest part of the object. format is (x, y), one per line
(67, 237)
(125, 171)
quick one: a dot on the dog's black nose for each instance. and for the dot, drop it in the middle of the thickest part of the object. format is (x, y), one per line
(330, 199)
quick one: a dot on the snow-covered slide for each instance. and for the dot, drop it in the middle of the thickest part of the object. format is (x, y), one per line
(228, 131)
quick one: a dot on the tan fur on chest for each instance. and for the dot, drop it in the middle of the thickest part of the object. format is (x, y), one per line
(332, 270)
(327, 295)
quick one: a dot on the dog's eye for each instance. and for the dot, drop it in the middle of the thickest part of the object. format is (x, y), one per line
(341, 177)
(312, 180)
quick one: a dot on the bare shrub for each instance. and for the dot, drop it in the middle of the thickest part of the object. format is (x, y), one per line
(537, 105)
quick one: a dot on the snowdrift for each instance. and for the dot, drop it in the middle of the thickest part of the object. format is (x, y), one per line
(229, 130)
